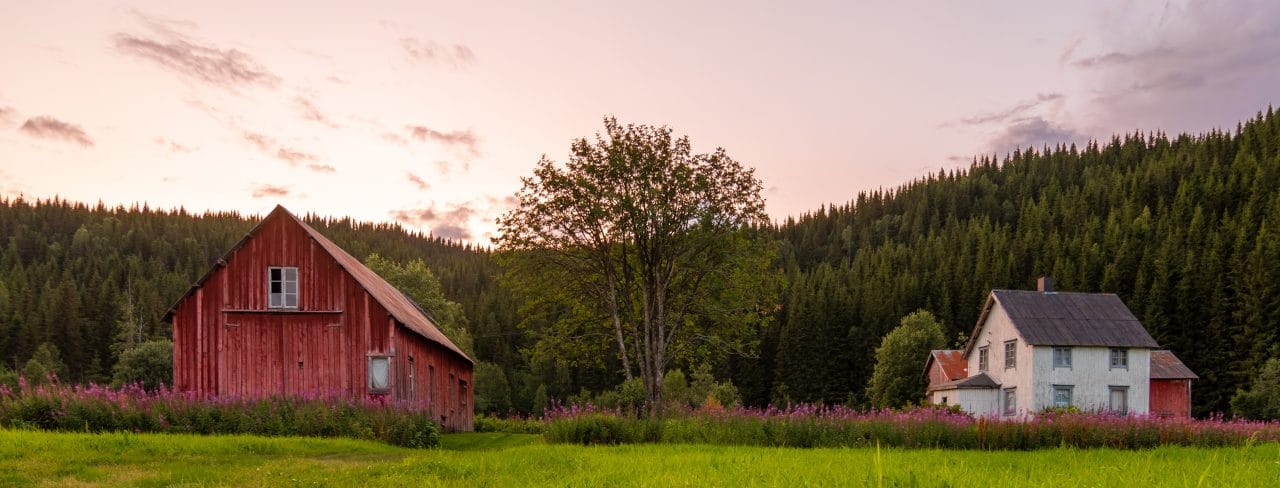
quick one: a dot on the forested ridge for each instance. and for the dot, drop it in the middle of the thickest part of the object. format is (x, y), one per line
(1185, 229)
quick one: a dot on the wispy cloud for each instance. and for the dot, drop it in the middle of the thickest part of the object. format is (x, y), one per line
(395, 138)
(7, 114)
(310, 112)
(266, 191)
(167, 46)
(262, 142)
(456, 56)
(50, 128)
(1014, 111)
(1033, 132)
(291, 156)
(294, 157)
(1186, 67)
(418, 181)
(463, 141)
(450, 224)
(173, 146)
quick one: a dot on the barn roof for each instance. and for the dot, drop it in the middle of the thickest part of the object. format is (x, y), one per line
(952, 361)
(979, 381)
(1166, 366)
(1068, 319)
(397, 304)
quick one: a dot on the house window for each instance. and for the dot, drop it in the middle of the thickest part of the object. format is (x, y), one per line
(379, 374)
(1010, 354)
(944, 400)
(1119, 400)
(1062, 357)
(1119, 358)
(982, 359)
(1062, 396)
(1010, 401)
(282, 287)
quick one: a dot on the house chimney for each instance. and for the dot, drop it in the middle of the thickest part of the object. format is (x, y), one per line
(1044, 284)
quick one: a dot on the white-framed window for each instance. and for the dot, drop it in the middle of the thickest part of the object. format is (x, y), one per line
(1010, 401)
(982, 359)
(282, 287)
(1119, 400)
(1062, 357)
(1119, 358)
(1062, 395)
(379, 374)
(1010, 354)
(944, 400)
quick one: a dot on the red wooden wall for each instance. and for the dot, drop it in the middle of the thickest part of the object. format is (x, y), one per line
(1171, 398)
(227, 343)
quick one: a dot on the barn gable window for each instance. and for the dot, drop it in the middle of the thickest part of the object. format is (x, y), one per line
(282, 287)
(379, 374)
(982, 359)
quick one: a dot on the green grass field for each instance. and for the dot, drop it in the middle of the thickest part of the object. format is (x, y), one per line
(57, 459)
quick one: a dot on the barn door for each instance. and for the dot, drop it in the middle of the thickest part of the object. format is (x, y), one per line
(250, 357)
(314, 362)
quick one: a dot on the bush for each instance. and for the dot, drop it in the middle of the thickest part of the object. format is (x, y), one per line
(45, 363)
(134, 409)
(149, 364)
(1262, 401)
(510, 425)
(921, 427)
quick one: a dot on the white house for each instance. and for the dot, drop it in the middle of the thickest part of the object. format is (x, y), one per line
(1032, 350)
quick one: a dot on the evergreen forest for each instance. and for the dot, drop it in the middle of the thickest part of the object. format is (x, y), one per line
(1185, 229)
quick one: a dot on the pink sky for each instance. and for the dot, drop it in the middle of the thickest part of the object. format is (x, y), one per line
(428, 114)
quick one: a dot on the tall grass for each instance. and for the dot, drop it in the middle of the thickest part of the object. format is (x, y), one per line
(816, 426)
(95, 408)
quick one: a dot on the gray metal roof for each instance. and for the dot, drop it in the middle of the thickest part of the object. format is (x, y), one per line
(1166, 366)
(1073, 319)
(978, 381)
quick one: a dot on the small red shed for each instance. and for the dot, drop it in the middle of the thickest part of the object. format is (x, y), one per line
(1170, 385)
(288, 312)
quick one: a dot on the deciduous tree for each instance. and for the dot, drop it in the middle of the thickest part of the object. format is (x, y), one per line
(644, 247)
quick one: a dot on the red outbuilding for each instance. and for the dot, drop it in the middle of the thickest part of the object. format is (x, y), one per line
(1170, 385)
(288, 312)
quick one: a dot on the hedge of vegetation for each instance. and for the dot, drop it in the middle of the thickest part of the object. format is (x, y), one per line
(810, 426)
(132, 409)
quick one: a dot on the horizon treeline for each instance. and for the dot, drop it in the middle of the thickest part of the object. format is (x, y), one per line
(1186, 230)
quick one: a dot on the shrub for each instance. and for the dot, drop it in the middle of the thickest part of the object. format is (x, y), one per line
(510, 425)
(921, 427)
(134, 409)
(149, 364)
(1262, 401)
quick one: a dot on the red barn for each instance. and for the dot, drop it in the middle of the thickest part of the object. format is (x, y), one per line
(1170, 385)
(287, 312)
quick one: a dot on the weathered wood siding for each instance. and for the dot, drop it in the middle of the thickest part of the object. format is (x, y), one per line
(441, 380)
(1171, 398)
(227, 342)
